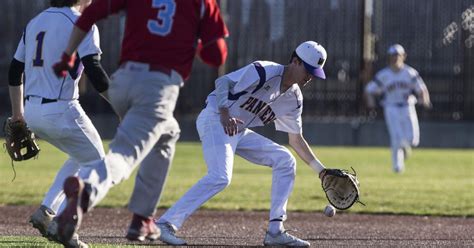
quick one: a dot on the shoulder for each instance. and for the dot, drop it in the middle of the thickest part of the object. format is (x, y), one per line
(271, 69)
(410, 70)
(297, 92)
(383, 72)
(70, 14)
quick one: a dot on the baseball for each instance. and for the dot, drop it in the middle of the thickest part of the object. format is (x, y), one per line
(329, 211)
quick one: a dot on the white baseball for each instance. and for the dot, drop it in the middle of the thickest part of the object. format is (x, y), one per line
(329, 211)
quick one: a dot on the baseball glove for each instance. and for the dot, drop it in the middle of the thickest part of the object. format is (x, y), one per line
(18, 138)
(341, 188)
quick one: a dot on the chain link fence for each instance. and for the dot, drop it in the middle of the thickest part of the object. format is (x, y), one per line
(438, 36)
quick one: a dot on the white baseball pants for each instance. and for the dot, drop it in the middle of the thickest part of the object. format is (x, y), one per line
(219, 149)
(146, 101)
(65, 125)
(402, 125)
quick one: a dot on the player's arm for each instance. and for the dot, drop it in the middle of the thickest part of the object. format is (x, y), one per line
(98, 10)
(15, 89)
(372, 90)
(301, 147)
(212, 48)
(229, 123)
(213, 53)
(424, 97)
(422, 92)
(96, 74)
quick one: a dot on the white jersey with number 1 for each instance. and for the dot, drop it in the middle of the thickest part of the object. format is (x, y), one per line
(41, 46)
(52, 110)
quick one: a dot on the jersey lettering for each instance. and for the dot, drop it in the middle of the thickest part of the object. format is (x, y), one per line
(38, 61)
(398, 85)
(256, 106)
(166, 10)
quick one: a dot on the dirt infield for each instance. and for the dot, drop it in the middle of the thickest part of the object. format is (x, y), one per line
(233, 228)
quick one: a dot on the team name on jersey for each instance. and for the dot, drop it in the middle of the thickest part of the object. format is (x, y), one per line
(260, 108)
(398, 85)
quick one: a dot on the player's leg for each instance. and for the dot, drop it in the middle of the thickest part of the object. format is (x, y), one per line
(263, 151)
(65, 125)
(150, 98)
(411, 126)
(149, 184)
(392, 120)
(218, 150)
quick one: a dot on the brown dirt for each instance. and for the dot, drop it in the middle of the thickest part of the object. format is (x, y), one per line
(235, 228)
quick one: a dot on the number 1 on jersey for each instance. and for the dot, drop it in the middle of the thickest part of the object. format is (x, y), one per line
(38, 61)
(166, 10)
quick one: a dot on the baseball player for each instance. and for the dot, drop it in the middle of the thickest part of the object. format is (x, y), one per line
(255, 95)
(158, 49)
(399, 87)
(51, 108)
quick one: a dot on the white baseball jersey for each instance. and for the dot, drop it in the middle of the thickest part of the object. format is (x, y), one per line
(398, 88)
(255, 98)
(43, 41)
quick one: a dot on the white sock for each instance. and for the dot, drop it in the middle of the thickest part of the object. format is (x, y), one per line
(275, 227)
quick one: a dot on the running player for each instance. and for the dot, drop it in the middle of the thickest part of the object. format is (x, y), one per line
(255, 95)
(400, 87)
(52, 109)
(158, 49)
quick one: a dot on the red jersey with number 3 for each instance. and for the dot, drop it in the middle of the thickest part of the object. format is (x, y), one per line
(162, 32)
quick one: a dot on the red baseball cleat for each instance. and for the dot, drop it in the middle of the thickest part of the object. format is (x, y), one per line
(142, 228)
(70, 219)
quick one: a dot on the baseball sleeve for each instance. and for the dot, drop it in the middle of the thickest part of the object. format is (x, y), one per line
(419, 84)
(235, 84)
(244, 78)
(98, 10)
(212, 26)
(292, 122)
(20, 50)
(90, 44)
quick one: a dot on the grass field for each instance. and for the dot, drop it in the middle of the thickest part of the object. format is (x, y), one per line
(436, 181)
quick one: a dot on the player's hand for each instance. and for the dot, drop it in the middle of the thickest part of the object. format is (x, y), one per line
(15, 118)
(428, 105)
(230, 124)
(66, 63)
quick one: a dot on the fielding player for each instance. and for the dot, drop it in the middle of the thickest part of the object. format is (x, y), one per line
(400, 87)
(160, 42)
(255, 95)
(52, 109)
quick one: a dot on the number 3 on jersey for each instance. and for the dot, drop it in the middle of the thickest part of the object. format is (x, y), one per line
(166, 10)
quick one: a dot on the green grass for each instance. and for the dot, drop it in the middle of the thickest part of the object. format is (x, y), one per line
(40, 242)
(436, 181)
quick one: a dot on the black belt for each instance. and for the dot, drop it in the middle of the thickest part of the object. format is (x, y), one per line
(44, 100)
(401, 105)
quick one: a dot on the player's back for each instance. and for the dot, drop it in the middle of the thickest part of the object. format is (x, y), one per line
(166, 32)
(45, 38)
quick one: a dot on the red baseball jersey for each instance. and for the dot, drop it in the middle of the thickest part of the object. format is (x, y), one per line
(162, 32)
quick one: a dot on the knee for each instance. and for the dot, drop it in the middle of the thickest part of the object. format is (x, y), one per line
(286, 162)
(221, 182)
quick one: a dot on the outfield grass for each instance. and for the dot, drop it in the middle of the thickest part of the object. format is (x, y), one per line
(436, 181)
